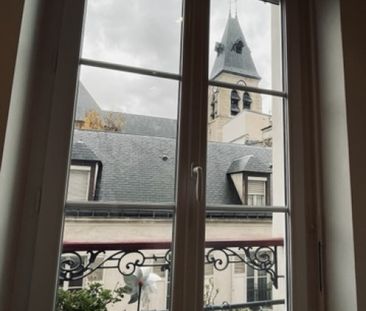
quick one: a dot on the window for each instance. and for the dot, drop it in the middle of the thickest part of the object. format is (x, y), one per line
(79, 183)
(252, 188)
(259, 287)
(256, 194)
(49, 215)
(189, 202)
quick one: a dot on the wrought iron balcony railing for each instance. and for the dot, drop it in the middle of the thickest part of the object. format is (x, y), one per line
(81, 259)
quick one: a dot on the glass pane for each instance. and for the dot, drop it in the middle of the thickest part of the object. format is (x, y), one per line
(122, 161)
(125, 129)
(245, 43)
(247, 254)
(138, 33)
(115, 252)
(245, 159)
(245, 150)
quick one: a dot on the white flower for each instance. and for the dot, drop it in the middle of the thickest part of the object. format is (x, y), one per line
(142, 278)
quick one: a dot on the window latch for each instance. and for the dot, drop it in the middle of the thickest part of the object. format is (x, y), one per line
(197, 173)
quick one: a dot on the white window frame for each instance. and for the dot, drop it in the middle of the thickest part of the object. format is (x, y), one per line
(189, 286)
(83, 168)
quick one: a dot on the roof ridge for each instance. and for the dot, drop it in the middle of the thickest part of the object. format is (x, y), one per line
(248, 155)
(119, 133)
(138, 115)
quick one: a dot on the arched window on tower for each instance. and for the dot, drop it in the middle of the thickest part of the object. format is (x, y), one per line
(247, 100)
(235, 102)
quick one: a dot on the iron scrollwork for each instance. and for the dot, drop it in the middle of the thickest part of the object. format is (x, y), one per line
(262, 258)
(77, 265)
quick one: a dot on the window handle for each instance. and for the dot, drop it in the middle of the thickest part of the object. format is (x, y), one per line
(197, 173)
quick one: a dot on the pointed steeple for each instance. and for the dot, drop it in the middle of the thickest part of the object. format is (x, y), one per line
(233, 53)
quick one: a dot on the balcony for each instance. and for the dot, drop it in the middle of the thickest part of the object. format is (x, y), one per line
(82, 260)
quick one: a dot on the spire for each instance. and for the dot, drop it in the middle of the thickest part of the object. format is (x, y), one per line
(233, 53)
(236, 8)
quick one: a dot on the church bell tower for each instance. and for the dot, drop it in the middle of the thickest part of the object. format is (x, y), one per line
(233, 64)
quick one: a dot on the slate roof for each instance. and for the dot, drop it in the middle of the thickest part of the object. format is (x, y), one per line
(140, 168)
(147, 126)
(228, 60)
(132, 123)
(250, 163)
(80, 151)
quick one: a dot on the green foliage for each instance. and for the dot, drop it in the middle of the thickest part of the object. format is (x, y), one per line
(92, 298)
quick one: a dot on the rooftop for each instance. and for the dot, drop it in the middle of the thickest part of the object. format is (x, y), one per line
(233, 53)
(139, 168)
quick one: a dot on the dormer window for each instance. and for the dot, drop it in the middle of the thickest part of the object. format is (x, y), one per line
(82, 180)
(238, 46)
(251, 178)
(235, 98)
(252, 188)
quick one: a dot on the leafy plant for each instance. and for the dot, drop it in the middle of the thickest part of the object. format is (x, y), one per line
(92, 298)
(93, 121)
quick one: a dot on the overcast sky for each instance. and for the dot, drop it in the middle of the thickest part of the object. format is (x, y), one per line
(146, 33)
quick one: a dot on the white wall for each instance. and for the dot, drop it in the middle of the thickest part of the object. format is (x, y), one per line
(25, 284)
(10, 19)
(339, 262)
(354, 65)
(246, 125)
(13, 176)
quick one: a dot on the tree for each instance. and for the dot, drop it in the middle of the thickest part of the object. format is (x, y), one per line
(93, 121)
(113, 122)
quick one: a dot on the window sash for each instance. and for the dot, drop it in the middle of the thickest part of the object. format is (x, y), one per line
(188, 247)
(188, 281)
(188, 287)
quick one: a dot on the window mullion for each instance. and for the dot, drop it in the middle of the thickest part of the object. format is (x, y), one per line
(189, 227)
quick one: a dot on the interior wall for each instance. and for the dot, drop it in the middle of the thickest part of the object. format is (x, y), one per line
(10, 20)
(353, 20)
(16, 143)
(25, 144)
(339, 255)
(339, 82)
